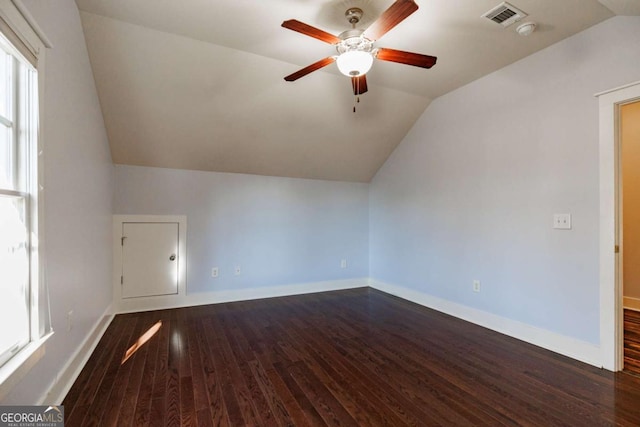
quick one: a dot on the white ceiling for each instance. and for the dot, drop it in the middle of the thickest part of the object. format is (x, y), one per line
(198, 84)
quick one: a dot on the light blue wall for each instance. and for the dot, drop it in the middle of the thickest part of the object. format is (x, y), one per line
(279, 230)
(471, 191)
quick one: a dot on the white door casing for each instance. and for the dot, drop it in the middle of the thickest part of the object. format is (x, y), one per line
(144, 275)
(611, 330)
(149, 259)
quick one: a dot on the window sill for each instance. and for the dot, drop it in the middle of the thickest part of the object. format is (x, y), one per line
(19, 365)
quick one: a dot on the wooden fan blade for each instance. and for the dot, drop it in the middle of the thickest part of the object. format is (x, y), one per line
(359, 84)
(391, 17)
(310, 69)
(409, 58)
(310, 31)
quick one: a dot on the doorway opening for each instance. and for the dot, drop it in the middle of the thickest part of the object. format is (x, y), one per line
(610, 233)
(629, 229)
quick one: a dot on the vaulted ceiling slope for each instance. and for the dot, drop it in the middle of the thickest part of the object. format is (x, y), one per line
(198, 84)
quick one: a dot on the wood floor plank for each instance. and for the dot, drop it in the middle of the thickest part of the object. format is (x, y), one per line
(212, 379)
(247, 405)
(143, 406)
(270, 352)
(397, 405)
(341, 378)
(154, 401)
(223, 381)
(93, 415)
(172, 416)
(187, 398)
(311, 414)
(329, 408)
(187, 404)
(632, 341)
(123, 380)
(283, 394)
(354, 357)
(276, 405)
(89, 380)
(126, 415)
(241, 350)
(200, 397)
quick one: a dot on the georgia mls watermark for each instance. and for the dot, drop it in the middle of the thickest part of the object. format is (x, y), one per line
(31, 416)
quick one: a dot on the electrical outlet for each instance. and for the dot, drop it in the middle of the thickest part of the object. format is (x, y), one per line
(343, 263)
(214, 272)
(69, 320)
(237, 271)
(476, 286)
(562, 221)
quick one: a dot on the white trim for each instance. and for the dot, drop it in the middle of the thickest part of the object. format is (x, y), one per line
(567, 346)
(610, 291)
(133, 305)
(32, 23)
(13, 13)
(8, 123)
(631, 303)
(120, 302)
(606, 92)
(71, 370)
(12, 372)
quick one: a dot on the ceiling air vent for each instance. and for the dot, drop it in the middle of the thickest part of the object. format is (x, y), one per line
(505, 14)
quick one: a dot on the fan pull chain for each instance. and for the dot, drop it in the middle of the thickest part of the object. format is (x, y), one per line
(356, 95)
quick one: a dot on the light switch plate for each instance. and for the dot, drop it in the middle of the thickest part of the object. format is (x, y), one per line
(562, 221)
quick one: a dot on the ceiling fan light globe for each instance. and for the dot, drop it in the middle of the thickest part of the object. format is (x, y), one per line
(354, 63)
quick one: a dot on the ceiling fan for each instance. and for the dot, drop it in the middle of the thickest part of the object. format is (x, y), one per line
(355, 46)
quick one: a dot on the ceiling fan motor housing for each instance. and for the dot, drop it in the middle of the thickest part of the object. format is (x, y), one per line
(353, 40)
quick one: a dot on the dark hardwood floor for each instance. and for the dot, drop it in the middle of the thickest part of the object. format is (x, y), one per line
(357, 357)
(632, 341)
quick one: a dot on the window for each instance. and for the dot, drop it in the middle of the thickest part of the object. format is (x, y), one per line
(25, 322)
(18, 181)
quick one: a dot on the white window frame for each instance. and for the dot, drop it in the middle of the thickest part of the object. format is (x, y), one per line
(23, 26)
(21, 146)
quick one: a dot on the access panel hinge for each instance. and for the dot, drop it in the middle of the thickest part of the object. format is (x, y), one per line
(121, 280)
(122, 240)
(617, 249)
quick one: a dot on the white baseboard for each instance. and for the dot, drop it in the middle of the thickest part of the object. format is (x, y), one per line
(71, 370)
(132, 305)
(631, 303)
(567, 346)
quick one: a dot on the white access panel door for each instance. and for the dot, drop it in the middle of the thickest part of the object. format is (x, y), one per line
(149, 259)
